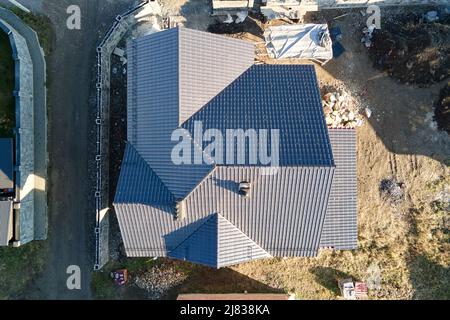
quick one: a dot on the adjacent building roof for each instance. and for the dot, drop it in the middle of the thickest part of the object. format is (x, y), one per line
(179, 78)
(6, 222)
(6, 163)
(233, 296)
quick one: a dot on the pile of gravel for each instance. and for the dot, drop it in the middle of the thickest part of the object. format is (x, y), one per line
(392, 191)
(159, 280)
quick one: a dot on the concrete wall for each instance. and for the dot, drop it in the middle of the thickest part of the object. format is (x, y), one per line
(31, 129)
(328, 4)
(24, 132)
(105, 50)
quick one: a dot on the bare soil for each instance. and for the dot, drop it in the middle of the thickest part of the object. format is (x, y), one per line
(442, 109)
(118, 120)
(412, 50)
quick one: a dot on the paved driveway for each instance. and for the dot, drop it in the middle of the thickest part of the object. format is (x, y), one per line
(71, 211)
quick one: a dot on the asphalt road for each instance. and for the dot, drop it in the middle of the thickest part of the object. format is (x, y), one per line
(71, 211)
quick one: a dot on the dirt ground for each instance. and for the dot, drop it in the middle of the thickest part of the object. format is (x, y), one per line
(442, 109)
(404, 248)
(413, 50)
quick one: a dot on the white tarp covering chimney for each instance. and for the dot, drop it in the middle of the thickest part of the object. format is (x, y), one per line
(303, 41)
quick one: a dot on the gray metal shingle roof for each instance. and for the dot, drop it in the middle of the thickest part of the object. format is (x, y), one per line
(208, 63)
(171, 75)
(340, 230)
(248, 103)
(138, 183)
(218, 243)
(285, 213)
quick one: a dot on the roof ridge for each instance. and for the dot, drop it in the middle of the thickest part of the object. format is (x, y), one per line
(141, 158)
(246, 249)
(207, 219)
(228, 221)
(215, 97)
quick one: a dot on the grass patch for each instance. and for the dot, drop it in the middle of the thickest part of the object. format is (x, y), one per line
(7, 108)
(19, 266)
(103, 286)
(41, 25)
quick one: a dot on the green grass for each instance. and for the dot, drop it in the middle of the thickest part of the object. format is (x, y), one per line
(42, 25)
(7, 108)
(19, 266)
(103, 286)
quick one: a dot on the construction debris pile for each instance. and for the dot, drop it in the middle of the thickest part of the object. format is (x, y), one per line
(392, 191)
(342, 110)
(413, 48)
(237, 25)
(159, 280)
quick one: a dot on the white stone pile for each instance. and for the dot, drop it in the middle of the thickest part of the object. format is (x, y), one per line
(341, 110)
(159, 280)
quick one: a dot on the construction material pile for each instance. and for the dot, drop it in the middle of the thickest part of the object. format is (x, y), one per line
(300, 41)
(159, 280)
(412, 48)
(341, 110)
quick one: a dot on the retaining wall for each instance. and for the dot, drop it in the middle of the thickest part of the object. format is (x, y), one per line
(120, 27)
(24, 130)
(31, 129)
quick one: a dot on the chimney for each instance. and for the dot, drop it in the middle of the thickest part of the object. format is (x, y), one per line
(244, 189)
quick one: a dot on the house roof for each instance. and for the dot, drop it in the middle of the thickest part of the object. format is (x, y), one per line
(6, 163)
(285, 212)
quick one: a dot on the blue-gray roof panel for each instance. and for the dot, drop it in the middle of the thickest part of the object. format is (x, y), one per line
(340, 230)
(283, 215)
(138, 183)
(166, 83)
(283, 97)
